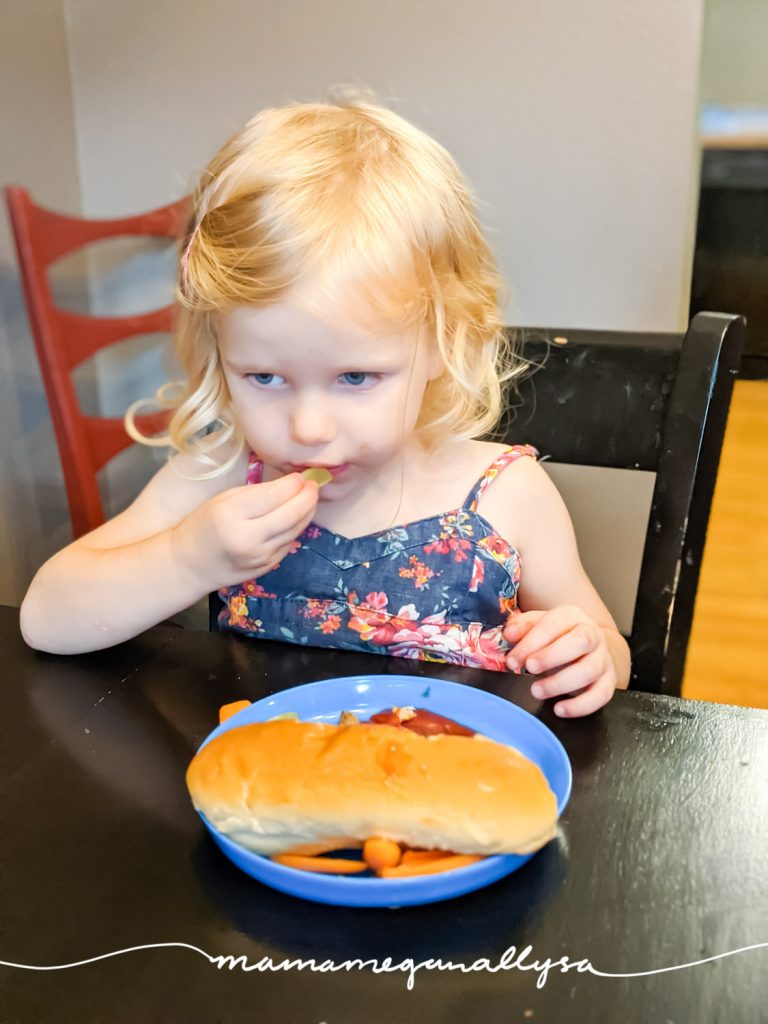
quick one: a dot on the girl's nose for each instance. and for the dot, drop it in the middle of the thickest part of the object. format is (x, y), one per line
(312, 423)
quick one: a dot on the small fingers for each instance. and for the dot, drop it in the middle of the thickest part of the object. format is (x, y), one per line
(578, 642)
(551, 625)
(274, 560)
(291, 516)
(519, 624)
(588, 700)
(262, 543)
(257, 501)
(573, 677)
(294, 528)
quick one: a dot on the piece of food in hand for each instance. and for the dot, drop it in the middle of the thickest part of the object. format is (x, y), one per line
(227, 710)
(304, 787)
(319, 474)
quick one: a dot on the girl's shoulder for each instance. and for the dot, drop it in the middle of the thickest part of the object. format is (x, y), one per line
(484, 461)
(493, 454)
(460, 471)
(513, 489)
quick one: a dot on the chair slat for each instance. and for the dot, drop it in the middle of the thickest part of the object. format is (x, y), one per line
(107, 437)
(83, 336)
(64, 339)
(57, 233)
(595, 399)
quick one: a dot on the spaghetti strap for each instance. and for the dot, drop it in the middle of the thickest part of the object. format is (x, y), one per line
(511, 455)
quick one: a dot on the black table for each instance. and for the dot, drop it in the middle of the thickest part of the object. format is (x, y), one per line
(661, 860)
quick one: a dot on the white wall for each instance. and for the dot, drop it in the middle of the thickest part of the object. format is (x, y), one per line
(734, 60)
(37, 149)
(574, 120)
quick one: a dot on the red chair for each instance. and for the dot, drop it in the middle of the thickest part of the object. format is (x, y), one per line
(64, 339)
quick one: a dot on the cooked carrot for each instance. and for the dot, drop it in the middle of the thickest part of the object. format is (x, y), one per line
(381, 853)
(315, 849)
(227, 710)
(430, 867)
(424, 856)
(325, 865)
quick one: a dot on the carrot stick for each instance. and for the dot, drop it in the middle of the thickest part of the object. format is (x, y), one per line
(227, 710)
(314, 849)
(381, 853)
(324, 865)
(431, 867)
(424, 856)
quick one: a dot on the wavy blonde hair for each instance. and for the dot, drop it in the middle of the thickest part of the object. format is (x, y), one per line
(320, 202)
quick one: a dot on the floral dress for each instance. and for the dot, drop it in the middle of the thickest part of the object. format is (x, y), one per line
(437, 589)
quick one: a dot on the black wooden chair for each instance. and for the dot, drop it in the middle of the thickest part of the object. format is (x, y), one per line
(648, 403)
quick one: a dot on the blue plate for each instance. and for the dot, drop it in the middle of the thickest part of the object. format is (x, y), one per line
(365, 695)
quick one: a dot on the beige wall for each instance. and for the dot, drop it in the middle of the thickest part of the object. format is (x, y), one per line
(37, 149)
(574, 120)
(734, 60)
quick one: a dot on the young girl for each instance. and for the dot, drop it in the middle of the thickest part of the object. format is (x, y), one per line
(339, 310)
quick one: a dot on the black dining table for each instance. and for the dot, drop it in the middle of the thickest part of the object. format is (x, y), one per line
(650, 905)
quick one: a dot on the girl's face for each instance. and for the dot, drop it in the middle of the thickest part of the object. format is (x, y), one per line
(310, 392)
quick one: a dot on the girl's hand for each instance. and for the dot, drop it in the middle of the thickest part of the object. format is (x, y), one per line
(245, 531)
(571, 652)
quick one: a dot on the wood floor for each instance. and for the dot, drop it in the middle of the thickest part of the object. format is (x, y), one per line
(728, 651)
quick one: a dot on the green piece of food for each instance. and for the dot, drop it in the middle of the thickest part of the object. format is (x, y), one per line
(293, 715)
(318, 474)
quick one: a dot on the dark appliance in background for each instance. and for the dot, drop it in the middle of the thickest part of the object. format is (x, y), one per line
(730, 267)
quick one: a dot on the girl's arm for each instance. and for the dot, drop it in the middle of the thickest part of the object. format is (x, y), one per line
(563, 632)
(179, 540)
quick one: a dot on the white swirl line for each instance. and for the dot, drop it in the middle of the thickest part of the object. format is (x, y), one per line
(679, 967)
(106, 956)
(267, 964)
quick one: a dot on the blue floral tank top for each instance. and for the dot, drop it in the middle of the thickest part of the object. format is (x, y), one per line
(437, 589)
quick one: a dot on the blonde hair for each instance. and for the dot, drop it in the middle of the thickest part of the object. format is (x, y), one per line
(320, 202)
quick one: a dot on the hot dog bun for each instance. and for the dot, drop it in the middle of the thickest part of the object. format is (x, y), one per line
(287, 786)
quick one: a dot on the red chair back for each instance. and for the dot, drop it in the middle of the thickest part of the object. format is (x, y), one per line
(64, 339)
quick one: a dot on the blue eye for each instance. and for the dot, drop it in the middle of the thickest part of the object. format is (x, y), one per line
(266, 380)
(355, 377)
